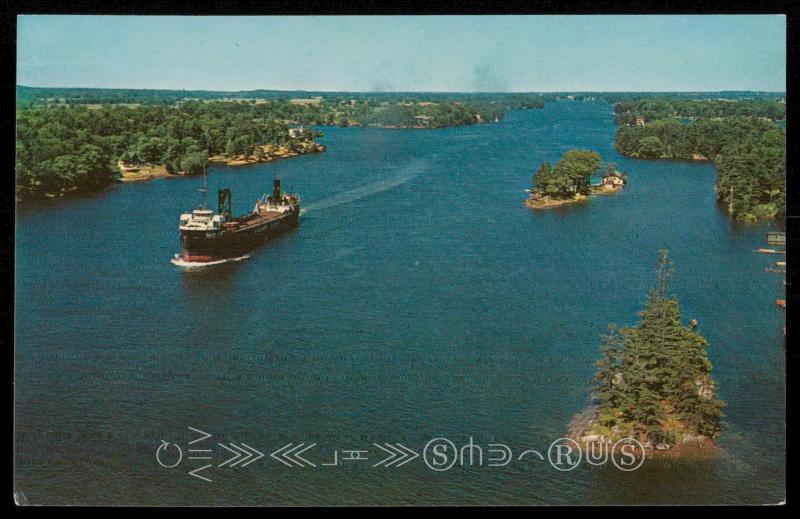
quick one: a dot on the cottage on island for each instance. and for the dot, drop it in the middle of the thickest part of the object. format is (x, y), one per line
(612, 180)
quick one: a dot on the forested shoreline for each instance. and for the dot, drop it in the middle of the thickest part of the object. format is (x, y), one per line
(651, 109)
(74, 140)
(748, 151)
(79, 149)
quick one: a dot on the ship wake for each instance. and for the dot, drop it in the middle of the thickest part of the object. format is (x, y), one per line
(200, 264)
(406, 174)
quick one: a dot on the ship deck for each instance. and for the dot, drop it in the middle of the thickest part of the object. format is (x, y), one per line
(251, 221)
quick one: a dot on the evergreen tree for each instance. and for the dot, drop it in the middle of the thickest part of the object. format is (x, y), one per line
(609, 368)
(655, 378)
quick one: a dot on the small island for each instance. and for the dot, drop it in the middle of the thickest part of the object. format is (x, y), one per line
(569, 181)
(653, 383)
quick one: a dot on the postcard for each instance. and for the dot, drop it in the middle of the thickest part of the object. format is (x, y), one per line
(400, 260)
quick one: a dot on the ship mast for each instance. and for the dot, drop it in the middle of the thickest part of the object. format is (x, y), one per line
(204, 189)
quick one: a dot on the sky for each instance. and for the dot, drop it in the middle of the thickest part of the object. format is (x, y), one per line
(405, 53)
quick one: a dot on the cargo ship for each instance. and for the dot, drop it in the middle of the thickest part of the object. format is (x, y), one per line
(208, 237)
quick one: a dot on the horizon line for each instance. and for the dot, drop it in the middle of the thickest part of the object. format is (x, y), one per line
(408, 91)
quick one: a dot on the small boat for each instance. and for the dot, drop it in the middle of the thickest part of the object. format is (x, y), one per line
(770, 251)
(781, 303)
(780, 263)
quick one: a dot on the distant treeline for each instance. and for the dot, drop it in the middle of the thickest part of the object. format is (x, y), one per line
(35, 95)
(395, 109)
(27, 96)
(652, 109)
(749, 152)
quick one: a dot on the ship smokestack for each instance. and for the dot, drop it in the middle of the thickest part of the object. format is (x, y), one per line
(276, 190)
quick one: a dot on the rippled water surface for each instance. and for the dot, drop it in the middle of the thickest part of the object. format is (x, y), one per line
(418, 299)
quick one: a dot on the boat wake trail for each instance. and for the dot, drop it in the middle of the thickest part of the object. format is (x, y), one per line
(406, 174)
(200, 264)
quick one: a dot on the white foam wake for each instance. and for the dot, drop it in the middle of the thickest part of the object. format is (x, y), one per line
(358, 193)
(199, 264)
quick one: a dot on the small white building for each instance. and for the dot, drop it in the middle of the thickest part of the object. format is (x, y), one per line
(612, 181)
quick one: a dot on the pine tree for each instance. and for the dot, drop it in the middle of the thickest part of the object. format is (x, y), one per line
(609, 367)
(656, 377)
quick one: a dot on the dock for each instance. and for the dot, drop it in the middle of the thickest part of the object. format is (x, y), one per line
(776, 238)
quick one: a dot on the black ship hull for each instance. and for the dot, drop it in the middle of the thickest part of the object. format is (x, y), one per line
(235, 240)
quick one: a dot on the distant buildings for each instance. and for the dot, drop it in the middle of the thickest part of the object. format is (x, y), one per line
(310, 101)
(639, 120)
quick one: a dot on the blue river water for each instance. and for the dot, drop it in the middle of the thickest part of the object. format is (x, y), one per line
(418, 299)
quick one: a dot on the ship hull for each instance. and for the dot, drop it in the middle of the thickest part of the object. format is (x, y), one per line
(235, 240)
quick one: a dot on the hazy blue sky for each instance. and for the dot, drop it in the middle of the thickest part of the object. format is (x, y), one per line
(442, 53)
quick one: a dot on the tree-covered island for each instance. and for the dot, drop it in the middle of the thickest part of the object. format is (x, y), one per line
(742, 139)
(570, 180)
(653, 382)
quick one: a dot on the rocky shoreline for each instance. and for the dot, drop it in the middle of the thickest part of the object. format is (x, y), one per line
(267, 153)
(546, 202)
(604, 190)
(582, 429)
(694, 157)
(142, 173)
